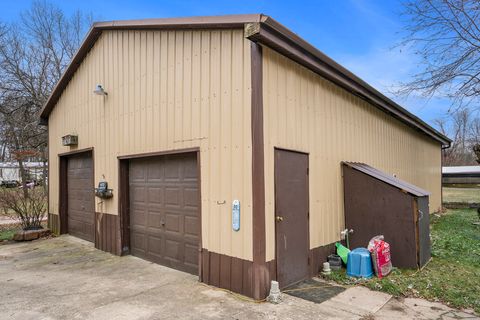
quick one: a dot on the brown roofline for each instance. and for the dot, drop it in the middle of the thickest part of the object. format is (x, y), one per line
(266, 31)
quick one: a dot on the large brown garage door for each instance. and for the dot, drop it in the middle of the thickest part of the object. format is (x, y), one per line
(164, 210)
(81, 206)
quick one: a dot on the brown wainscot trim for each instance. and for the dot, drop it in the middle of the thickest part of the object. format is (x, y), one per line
(227, 272)
(318, 256)
(54, 223)
(107, 233)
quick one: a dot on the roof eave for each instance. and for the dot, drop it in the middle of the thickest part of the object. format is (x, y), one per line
(274, 35)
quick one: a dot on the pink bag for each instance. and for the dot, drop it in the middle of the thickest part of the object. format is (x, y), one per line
(380, 251)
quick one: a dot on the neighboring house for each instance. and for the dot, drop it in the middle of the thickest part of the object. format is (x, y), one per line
(197, 114)
(10, 171)
(461, 175)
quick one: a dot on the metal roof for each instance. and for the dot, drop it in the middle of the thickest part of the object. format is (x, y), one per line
(388, 178)
(459, 170)
(268, 32)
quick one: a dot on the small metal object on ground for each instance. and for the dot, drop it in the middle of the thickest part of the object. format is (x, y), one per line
(275, 295)
(326, 268)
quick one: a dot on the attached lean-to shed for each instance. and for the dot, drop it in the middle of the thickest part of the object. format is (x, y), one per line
(377, 203)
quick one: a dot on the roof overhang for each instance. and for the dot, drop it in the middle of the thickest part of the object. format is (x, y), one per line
(268, 32)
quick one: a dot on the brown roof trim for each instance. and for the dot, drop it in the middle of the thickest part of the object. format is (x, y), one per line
(266, 31)
(387, 178)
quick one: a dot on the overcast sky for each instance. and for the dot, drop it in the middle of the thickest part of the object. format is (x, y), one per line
(359, 34)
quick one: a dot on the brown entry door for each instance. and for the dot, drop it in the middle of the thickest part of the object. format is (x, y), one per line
(164, 210)
(81, 205)
(291, 216)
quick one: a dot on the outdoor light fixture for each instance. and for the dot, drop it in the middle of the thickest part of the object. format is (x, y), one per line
(99, 90)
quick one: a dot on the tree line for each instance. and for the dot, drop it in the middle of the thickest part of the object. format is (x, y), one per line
(34, 52)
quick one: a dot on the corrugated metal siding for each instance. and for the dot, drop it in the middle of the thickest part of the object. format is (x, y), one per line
(167, 90)
(304, 112)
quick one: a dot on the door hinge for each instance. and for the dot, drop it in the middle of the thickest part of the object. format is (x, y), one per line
(308, 171)
(308, 260)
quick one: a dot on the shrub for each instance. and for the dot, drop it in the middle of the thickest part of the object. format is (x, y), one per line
(29, 205)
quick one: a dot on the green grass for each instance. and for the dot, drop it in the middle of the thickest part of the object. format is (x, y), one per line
(7, 234)
(463, 195)
(453, 274)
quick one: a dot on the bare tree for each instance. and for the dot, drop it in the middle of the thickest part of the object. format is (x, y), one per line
(445, 35)
(34, 53)
(464, 130)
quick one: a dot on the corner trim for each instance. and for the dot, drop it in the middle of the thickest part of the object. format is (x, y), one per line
(260, 270)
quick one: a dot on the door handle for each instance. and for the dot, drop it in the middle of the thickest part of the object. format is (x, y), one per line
(279, 218)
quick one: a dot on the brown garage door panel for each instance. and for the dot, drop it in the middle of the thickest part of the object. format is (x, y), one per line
(81, 206)
(164, 209)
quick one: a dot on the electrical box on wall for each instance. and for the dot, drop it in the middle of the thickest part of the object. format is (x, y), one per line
(236, 215)
(102, 191)
(70, 140)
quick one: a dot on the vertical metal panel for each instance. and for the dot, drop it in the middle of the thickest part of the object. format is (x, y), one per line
(423, 231)
(304, 112)
(167, 90)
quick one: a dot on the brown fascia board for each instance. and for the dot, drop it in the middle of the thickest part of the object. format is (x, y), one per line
(274, 35)
(265, 30)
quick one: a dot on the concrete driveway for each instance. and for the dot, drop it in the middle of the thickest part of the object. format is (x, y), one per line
(66, 278)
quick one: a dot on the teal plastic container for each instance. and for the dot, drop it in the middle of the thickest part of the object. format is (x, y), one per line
(359, 263)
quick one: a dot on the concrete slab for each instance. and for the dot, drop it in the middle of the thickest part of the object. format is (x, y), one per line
(67, 278)
(411, 308)
(359, 301)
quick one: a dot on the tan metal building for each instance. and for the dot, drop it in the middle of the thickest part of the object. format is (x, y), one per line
(195, 113)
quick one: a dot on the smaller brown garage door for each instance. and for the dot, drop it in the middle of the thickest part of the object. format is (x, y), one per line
(164, 210)
(81, 205)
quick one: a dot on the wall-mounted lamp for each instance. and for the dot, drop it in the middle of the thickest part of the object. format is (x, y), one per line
(99, 90)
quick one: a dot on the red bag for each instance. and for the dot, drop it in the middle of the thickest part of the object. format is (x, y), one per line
(380, 251)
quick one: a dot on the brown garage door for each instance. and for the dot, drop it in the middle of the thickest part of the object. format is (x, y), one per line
(81, 206)
(164, 210)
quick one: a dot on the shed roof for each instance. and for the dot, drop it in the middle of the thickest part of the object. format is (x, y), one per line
(388, 178)
(459, 170)
(266, 31)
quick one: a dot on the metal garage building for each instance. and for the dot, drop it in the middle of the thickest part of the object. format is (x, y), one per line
(196, 113)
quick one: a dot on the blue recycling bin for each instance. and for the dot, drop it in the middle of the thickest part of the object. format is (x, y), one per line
(359, 263)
